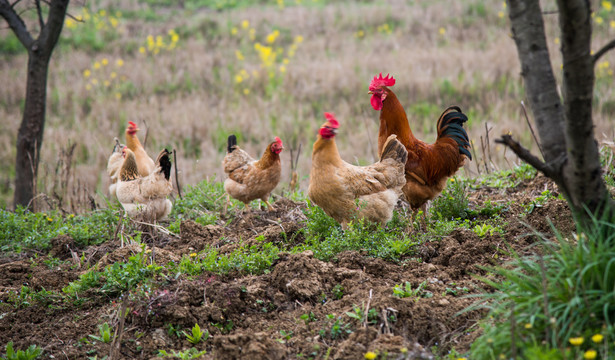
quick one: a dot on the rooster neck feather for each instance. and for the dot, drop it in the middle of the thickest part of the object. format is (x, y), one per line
(132, 141)
(393, 120)
(268, 159)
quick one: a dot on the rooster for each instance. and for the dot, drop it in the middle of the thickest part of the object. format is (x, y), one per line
(113, 166)
(429, 165)
(145, 164)
(145, 196)
(345, 191)
(249, 179)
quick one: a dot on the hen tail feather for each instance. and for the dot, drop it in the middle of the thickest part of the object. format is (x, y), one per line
(232, 142)
(164, 161)
(394, 149)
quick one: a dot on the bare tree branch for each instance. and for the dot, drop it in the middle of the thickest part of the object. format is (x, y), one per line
(15, 3)
(606, 48)
(525, 155)
(16, 24)
(40, 14)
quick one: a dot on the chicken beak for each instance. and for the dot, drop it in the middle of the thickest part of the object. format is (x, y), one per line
(370, 92)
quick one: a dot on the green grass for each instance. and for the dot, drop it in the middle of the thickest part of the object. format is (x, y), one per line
(568, 292)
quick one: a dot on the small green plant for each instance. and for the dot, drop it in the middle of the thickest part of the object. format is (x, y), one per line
(338, 291)
(455, 291)
(197, 335)
(173, 330)
(189, 354)
(104, 331)
(358, 314)
(31, 353)
(453, 202)
(338, 328)
(483, 230)
(286, 335)
(405, 290)
(308, 318)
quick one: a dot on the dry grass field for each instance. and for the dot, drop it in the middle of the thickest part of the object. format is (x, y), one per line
(200, 78)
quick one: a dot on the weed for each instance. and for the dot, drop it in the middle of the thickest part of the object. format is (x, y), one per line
(31, 353)
(483, 230)
(189, 354)
(104, 331)
(197, 335)
(455, 291)
(308, 318)
(453, 202)
(337, 330)
(286, 335)
(173, 330)
(405, 290)
(338, 291)
(358, 314)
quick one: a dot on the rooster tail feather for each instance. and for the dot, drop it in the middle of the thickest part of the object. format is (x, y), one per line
(232, 142)
(450, 125)
(164, 161)
(394, 149)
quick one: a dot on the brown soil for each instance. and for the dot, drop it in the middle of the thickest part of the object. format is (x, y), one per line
(248, 316)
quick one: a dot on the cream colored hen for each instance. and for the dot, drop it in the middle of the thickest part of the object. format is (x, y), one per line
(345, 191)
(113, 166)
(145, 197)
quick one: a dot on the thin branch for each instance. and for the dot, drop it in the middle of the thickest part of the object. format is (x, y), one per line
(15, 3)
(40, 14)
(527, 119)
(16, 24)
(606, 48)
(525, 155)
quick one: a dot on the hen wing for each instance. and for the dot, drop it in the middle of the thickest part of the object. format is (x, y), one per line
(237, 164)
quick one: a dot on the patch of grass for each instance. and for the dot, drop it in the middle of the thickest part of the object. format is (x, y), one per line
(24, 229)
(453, 202)
(544, 295)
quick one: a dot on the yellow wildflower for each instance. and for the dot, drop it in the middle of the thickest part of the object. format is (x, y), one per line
(360, 34)
(500, 14)
(102, 13)
(282, 69)
(174, 38)
(442, 31)
(96, 65)
(462, 359)
(104, 62)
(113, 22)
(597, 338)
(119, 62)
(576, 341)
(49, 219)
(528, 326)
(285, 61)
(607, 5)
(239, 55)
(142, 50)
(370, 355)
(69, 23)
(590, 354)
(298, 39)
(193, 255)
(88, 87)
(252, 34)
(281, 4)
(94, 81)
(234, 31)
(118, 95)
(556, 41)
(238, 79)
(87, 73)
(272, 37)
(599, 20)
(118, 14)
(612, 24)
(245, 24)
(107, 83)
(246, 91)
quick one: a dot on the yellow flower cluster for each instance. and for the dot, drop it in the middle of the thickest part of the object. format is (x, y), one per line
(604, 69)
(160, 43)
(589, 354)
(385, 29)
(264, 58)
(101, 20)
(501, 13)
(103, 75)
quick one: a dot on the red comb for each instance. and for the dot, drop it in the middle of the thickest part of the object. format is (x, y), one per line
(331, 119)
(132, 124)
(379, 81)
(279, 141)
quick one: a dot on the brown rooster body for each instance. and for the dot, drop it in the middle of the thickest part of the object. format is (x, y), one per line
(145, 197)
(113, 166)
(345, 191)
(145, 164)
(250, 179)
(429, 165)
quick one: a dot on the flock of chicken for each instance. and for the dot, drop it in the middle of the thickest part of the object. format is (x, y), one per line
(344, 191)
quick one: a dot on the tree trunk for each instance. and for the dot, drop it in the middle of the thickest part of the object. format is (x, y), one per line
(571, 153)
(30, 136)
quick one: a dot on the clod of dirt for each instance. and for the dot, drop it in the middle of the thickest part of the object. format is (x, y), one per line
(194, 236)
(61, 247)
(463, 250)
(303, 277)
(248, 346)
